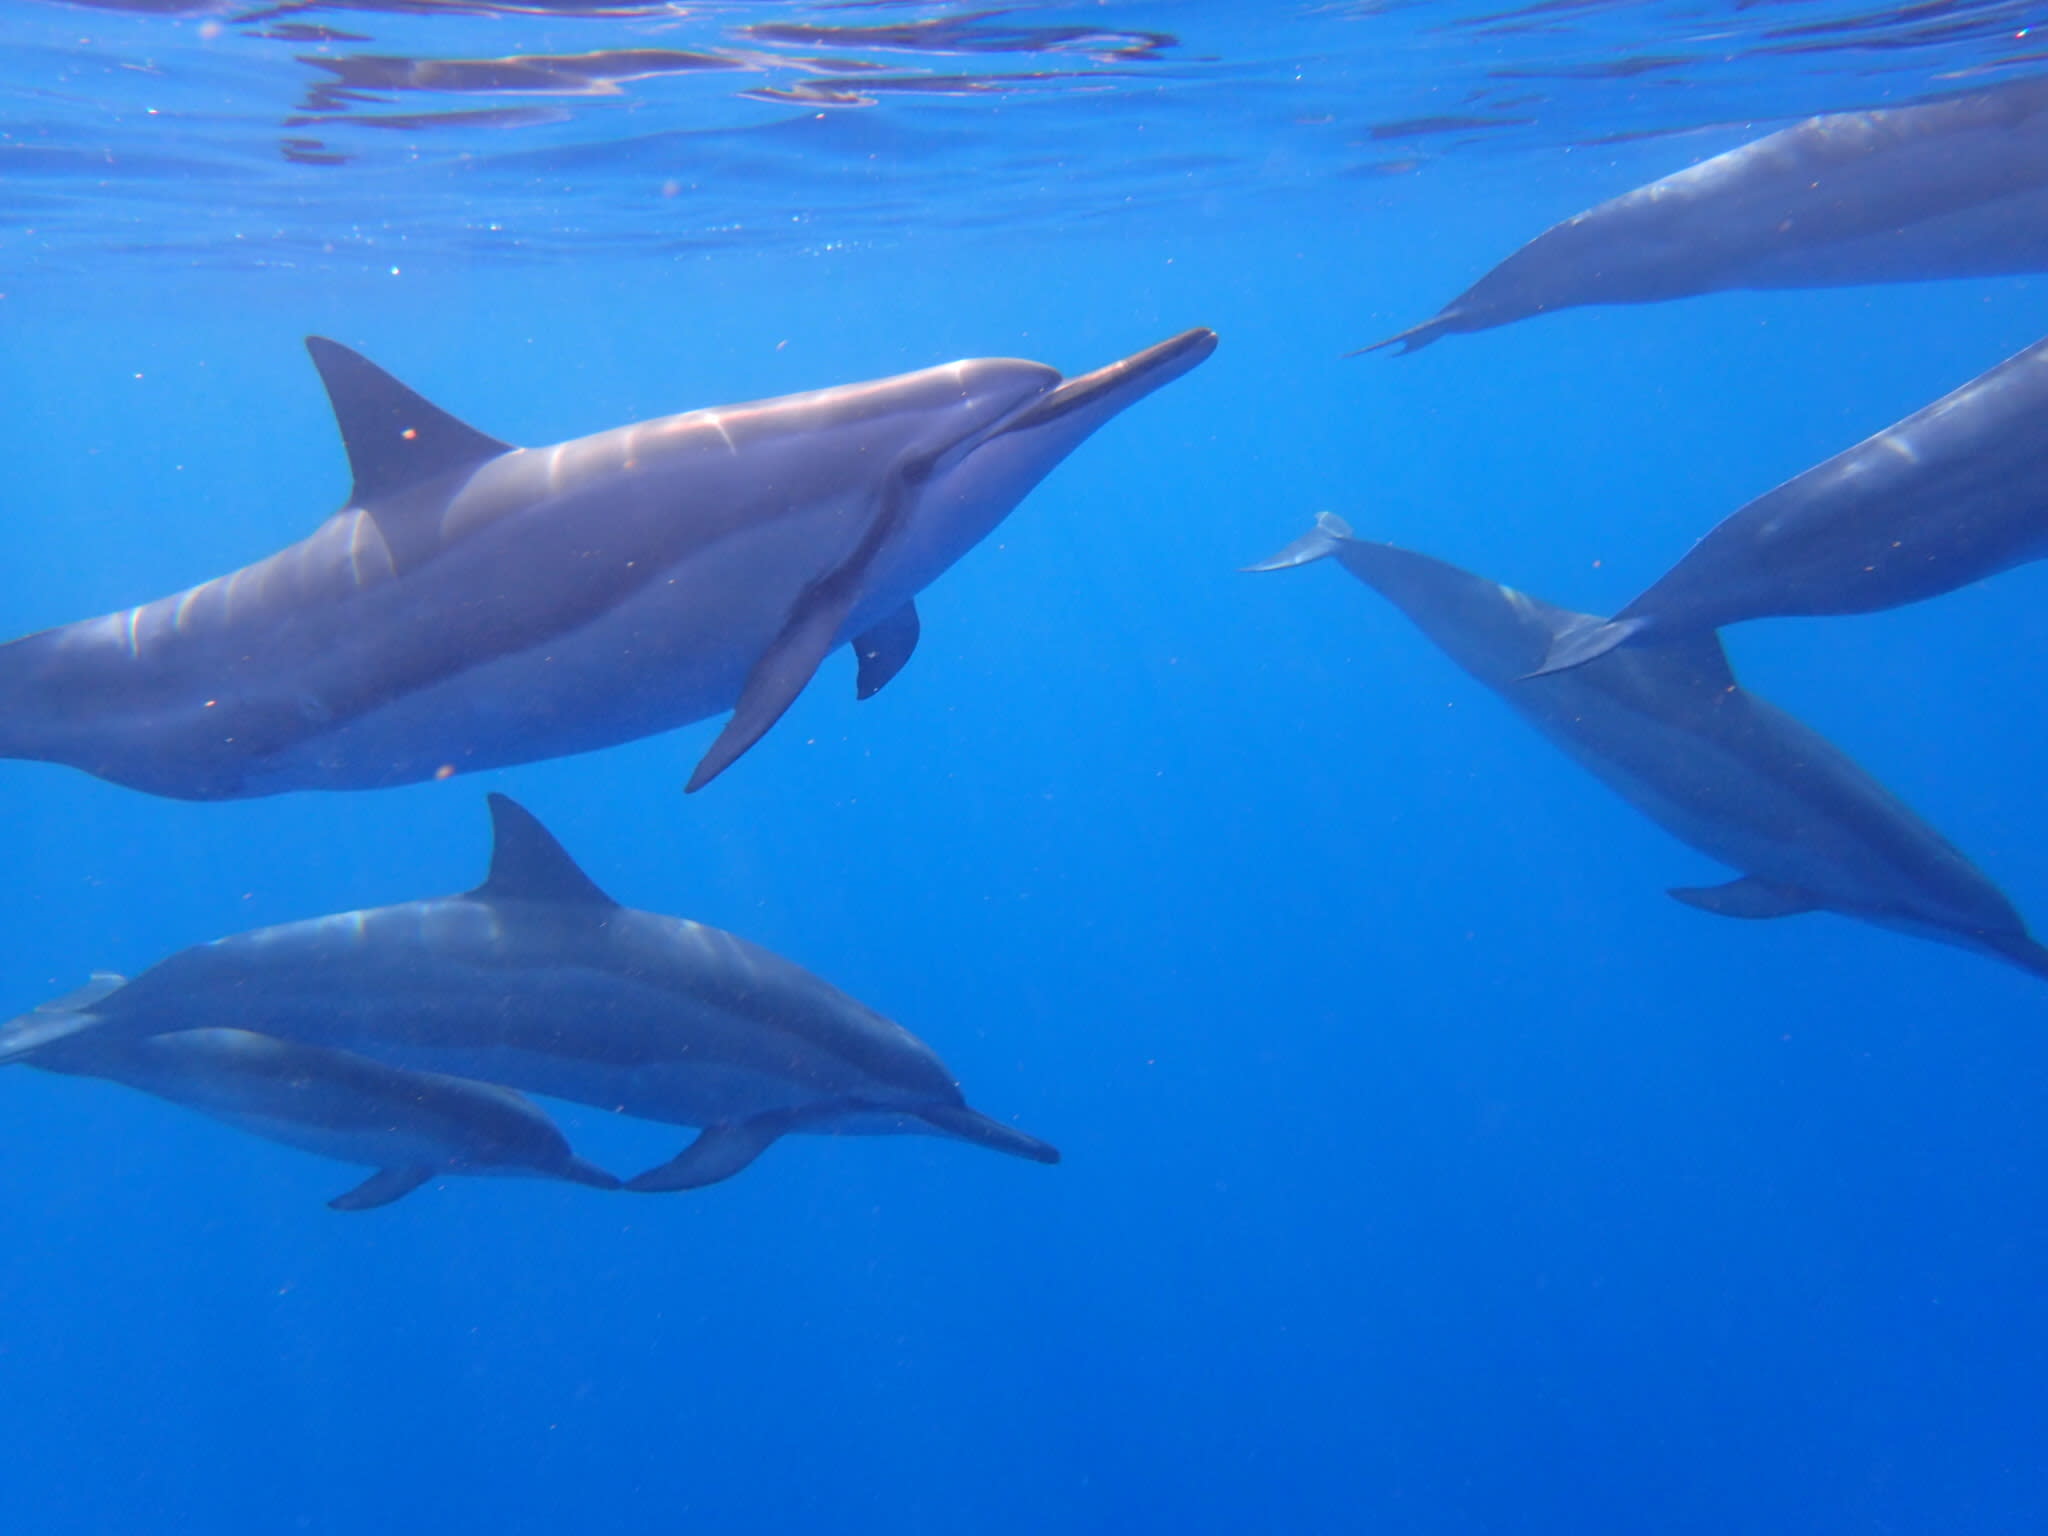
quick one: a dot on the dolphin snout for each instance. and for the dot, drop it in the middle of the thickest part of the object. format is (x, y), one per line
(1121, 383)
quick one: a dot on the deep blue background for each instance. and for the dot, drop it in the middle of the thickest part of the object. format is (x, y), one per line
(1426, 1168)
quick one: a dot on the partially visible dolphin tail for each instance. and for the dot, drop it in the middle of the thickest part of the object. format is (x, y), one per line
(1415, 338)
(58, 1018)
(1582, 643)
(577, 1171)
(1322, 540)
(2024, 952)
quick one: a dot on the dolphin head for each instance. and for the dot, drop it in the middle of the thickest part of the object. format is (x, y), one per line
(1017, 421)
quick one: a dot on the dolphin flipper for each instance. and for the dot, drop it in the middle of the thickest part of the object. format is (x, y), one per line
(883, 650)
(1748, 897)
(719, 1152)
(381, 1188)
(972, 1125)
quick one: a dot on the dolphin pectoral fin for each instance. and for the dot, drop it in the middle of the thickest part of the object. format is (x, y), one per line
(577, 1171)
(778, 677)
(381, 1188)
(1322, 540)
(883, 650)
(719, 1152)
(1748, 897)
(1581, 643)
(59, 1018)
(971, 1125)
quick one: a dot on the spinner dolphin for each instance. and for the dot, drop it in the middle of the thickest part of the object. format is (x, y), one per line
(538, 980)
(1956, 492)
(409, 1126)
(1668, 728)
(1955, 187)
(476, 604)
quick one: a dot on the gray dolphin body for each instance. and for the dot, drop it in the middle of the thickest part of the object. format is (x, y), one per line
(1669, 729)
(1956, 492)
(1956, 187)
(476, 604)
(410, 1126)
(538, 980)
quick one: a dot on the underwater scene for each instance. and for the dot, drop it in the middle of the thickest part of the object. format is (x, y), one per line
(1105, 767)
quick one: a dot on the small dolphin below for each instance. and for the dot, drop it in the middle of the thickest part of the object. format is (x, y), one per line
(1956, 492)
(538, 980)
(476, 604)
(409, 1126)
(1668, 728)
(1956, 187)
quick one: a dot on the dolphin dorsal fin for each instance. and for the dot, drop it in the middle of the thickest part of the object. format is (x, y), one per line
(527, 864)
(396, 438)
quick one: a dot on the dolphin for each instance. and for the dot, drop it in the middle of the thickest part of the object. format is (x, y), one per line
(1953, 187)
(1669, 729)
(409, 1126)
(1956, 492)
(538, 980)
(475, 605)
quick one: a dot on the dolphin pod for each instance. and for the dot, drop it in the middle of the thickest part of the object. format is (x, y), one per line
(1956, 492)
(1668, 729)
(409, 1126)
(536, 980)
(476, 605)
(1955, 187)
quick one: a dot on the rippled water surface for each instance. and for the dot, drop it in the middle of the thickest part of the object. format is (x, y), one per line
(302, 132)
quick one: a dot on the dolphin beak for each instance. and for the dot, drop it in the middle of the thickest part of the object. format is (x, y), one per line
(1109, 390)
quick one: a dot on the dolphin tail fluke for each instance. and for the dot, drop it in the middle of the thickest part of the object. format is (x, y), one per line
(577, 1171)
(381, 1188)
(1415, 338)
(971, 1125)
(719, 1152)
(1329, 533)
(59, 1018)
(1582, 643)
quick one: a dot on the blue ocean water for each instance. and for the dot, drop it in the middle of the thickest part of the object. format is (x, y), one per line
(1426, 1169)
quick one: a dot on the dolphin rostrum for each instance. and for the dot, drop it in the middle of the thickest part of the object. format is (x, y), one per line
(1956, 492)
(476, 604)
(409, 1126)
(538, 980)
(1955, 187)
(1668, 728)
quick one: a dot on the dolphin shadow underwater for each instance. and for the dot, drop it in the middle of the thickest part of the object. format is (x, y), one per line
(1949, 188)
(1670, 730)
(1955, 493)
(539, 981)
(409, 1126)
(476, 605)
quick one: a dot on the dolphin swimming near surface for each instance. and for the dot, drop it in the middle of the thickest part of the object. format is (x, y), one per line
(475, 604)
(1669, 729)
(1955, 187)
(1956, 492)
(538, 980)
(409, 1126)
